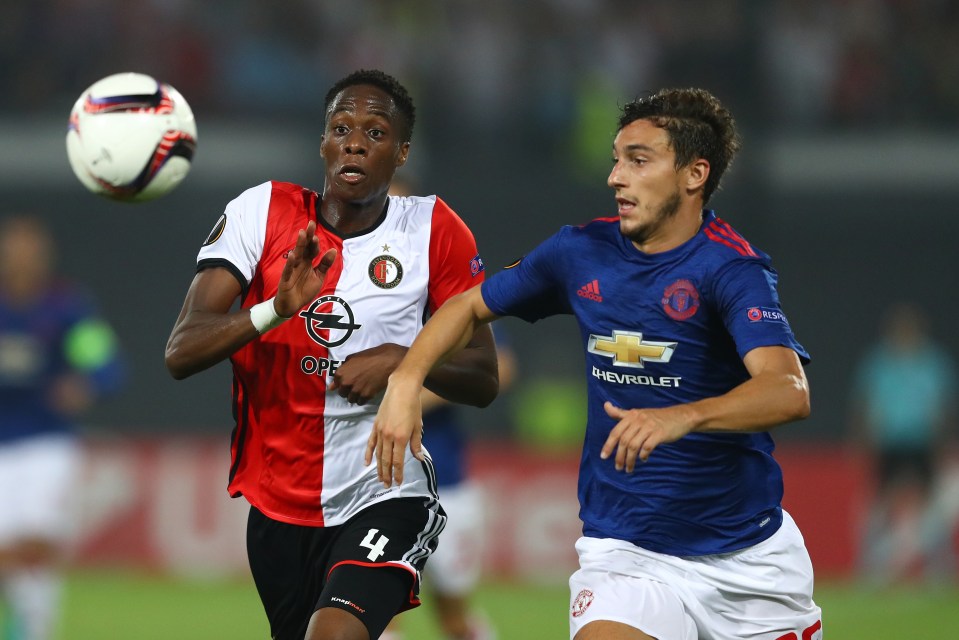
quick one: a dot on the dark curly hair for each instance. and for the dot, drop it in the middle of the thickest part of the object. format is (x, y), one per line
(384, 81)
(698, 125)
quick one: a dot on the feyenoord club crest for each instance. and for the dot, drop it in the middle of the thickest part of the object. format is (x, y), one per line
(385, 271)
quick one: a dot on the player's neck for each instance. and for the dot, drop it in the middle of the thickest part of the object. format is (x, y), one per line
(675, 231)
(350, 218)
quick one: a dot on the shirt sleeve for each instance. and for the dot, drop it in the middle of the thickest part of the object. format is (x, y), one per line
(455, 263)
(237, 239)
(531, 288)
(90, 347)
(751, 310)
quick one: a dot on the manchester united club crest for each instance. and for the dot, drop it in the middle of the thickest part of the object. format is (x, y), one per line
(681, 300)
(583, 599)
(385, 271)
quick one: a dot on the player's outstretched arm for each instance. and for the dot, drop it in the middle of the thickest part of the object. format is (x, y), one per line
(206, 332)
(468, 377)
(777, 392)
(399, 421)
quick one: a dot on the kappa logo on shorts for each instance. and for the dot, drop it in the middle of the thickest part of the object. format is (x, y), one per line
(347, 603)
(385, 271)
(583, 599)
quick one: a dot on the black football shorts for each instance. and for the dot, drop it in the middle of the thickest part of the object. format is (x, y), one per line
(369, 566)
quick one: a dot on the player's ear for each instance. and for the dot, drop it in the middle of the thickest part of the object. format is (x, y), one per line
(403, 154)
(696, 174)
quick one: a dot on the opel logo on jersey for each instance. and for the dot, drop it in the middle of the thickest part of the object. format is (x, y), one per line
(385, 271)
(329, 321)
(628, 349)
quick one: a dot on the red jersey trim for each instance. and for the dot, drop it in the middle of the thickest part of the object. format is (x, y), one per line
(452, 248)
(608, 219)
(414, 600)
(719, 231)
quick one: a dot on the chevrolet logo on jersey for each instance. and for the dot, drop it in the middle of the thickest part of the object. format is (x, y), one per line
(628, 349)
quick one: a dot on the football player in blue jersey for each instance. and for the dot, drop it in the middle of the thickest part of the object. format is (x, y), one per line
(57, 356)
(690, 362)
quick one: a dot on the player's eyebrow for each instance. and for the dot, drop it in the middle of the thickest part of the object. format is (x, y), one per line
(349, 107)
(639, 147)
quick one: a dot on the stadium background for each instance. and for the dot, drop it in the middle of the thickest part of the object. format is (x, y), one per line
(849, 111)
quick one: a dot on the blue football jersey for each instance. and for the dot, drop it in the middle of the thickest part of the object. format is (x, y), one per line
(659, 330)
(58, 333)
(444, 438)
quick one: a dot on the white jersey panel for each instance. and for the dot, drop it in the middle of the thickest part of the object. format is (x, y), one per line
(391, 310)
(243, 233)
(384, 285)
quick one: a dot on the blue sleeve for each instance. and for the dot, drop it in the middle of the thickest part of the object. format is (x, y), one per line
(749, 303)
(532, 288)
(90, 347)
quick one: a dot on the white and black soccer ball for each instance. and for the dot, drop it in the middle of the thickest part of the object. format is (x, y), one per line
(131, 137)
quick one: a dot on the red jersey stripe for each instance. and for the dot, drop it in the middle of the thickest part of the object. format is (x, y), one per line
(716, 238)
(723, 228)
(450, 256)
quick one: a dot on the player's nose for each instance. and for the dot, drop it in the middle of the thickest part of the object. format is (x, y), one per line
(355, 142)
(615, 177)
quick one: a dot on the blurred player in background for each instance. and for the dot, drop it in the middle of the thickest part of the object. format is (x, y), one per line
(689, 363)
(904, 403)
(455, 568)
(56, 357)
(333, 288)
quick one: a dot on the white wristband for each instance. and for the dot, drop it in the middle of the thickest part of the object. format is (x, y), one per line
(264, 316)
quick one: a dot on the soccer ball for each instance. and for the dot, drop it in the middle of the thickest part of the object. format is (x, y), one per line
(131, 137)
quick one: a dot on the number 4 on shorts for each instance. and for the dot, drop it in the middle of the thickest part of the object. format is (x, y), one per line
(376, 548)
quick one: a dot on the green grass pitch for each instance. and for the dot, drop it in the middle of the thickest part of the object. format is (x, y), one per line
(114, 604)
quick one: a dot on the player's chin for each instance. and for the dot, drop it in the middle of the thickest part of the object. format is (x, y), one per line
(633, 230)
(358, 193)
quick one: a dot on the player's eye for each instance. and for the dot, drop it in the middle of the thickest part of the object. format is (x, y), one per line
(377, 133)
(340, 129)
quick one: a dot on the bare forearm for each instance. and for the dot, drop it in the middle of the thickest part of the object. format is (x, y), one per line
(447, 333)
(203, 339)
(470, 375)
(758, 404)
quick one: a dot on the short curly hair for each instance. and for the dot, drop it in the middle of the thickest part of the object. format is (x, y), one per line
(698, 125)
(389, 84)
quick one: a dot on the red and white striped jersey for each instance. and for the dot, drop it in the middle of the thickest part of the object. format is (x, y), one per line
(297, 450)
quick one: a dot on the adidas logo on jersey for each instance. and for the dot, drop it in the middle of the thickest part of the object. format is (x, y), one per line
(590, 291)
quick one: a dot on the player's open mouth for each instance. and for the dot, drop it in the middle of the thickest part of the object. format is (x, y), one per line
(352, 174)
(624, 206)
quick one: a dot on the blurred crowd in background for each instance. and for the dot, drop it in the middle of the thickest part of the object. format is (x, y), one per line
(798, 64)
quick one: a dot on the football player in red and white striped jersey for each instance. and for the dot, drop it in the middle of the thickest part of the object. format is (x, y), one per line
(333, 288)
